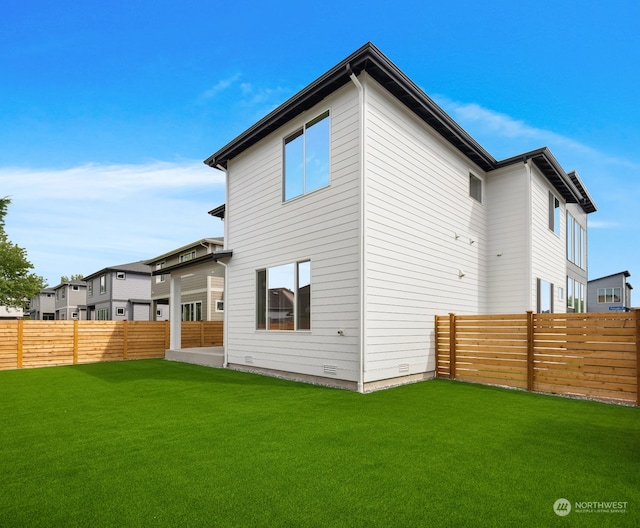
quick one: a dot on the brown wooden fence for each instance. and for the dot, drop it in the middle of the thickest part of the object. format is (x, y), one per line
(589, 355)
(26, 344)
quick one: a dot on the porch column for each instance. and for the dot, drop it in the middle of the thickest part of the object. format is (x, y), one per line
(175, 313)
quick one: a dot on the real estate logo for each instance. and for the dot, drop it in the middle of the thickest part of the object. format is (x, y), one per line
(562, 507)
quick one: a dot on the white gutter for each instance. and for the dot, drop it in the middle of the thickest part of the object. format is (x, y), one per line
(363, 312)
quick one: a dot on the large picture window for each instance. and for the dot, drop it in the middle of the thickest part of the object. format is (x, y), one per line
(283, 297)
(306, 158)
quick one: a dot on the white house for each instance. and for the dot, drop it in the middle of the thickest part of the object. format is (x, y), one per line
(358, 210)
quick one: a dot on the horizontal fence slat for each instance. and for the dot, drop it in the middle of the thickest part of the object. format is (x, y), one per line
(594, 355)
(49, 343)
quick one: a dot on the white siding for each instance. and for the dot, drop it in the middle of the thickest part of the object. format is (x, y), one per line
(422, 230)
(322, 226)
(509, 225)
(549, 251)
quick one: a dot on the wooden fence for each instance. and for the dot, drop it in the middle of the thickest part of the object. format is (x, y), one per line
(589, 355)
(27, 344)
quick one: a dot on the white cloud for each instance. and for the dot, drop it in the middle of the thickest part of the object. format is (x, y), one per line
(220, 86)
(603, 224)
(82, 219)
(486, 123)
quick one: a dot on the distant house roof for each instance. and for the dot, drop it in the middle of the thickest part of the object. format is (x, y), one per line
(216, 241)
(139, 267)
(368, 58)
(625, 273)
(69, 283)
(209, 257)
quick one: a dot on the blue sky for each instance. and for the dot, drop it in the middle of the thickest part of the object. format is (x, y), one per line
(107, 109)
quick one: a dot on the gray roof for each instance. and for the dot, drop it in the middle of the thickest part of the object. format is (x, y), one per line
(139, 267)
(368, 58)
(218, 241)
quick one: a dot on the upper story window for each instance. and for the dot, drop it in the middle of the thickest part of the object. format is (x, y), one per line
(306, 158)
(121, 275)
(554, 214)
(475, 187)
(163, 277)
(187, 256)
(103, 284)
(90, 288)
(576, 242)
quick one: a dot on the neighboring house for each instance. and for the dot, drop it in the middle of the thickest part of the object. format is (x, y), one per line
(120, 293)
(9, 312)
(610, 293)
(376, 211)
(70, 300)
(43, 305)
(202, 282)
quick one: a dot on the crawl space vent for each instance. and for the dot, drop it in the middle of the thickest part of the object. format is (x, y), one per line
(331, 370)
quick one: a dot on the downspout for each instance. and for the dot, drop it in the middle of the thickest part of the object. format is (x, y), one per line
(225, 333)
(225, 322)
(363, 312)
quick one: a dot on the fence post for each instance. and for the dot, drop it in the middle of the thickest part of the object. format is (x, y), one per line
(530, 351)
(125, 344)
(201, 333)
(452, 345)
(75, 341)
(20, 343)
(637, 312)
(167, 334)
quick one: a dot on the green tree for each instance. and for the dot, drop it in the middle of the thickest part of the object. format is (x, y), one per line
(76, 276)
(18, 283)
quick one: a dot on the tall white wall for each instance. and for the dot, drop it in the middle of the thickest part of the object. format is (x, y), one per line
(549, 251)
(323, 226)
(422, 231)
(509, 245)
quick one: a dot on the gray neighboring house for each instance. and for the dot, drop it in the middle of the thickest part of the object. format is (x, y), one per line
(120, 293)
(201, 281)
(70, 300)
(43, 306)
(610, 293)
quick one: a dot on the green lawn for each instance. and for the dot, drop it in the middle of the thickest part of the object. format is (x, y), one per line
(155, 443)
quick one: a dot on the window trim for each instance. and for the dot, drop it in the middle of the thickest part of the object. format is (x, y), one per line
(554, 213)
(302, 132)
(189, 255)
(262, 306)
(609, 292)
(475, 183)
(194, 311)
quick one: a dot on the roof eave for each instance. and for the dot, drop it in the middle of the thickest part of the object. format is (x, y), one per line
(368, 58)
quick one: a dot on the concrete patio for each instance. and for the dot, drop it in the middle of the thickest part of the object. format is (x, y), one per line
(207, 356)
